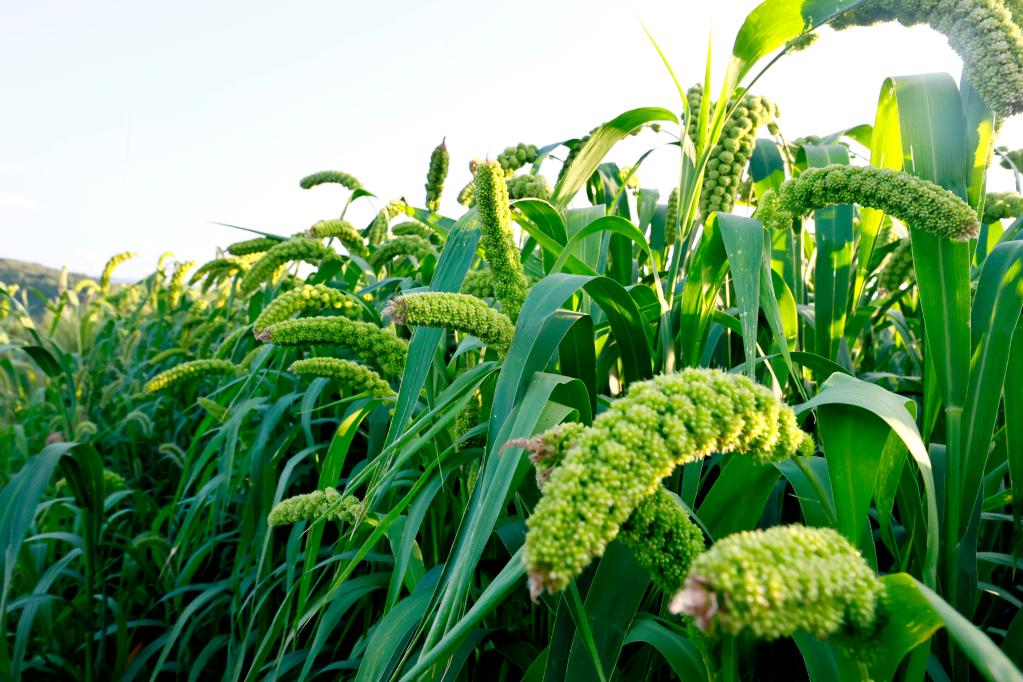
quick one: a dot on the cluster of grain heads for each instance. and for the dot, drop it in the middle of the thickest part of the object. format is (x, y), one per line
(460, 312)
(335, 177)
(177, 282)
(435, 176)
(306, 297)
(218, 268)
(663, 538)
(514, 158)
(343, 231)
(194, 369)
(327, 504)
(249, 247)
(413, 228)
(982, 32)
(395, 208)
(368, 341)
(730, 156)
(376, 233)
(499, 247)
(898, 267)
(919, 203)
(108, 269)
(213, 408)
(1001, 205)
(671, 218)
(480, 283)
(408, 245)
(359, 377)
(528, 186)
(611, 467)
(660, 533)
(776, 582)
(294, 249)
(573, 151)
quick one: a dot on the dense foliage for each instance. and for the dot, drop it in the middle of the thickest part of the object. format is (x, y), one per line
(763, 418)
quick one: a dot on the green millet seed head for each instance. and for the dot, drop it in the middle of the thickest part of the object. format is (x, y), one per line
(405, 245)
(251, 246)
(801, 42)
(343, 231)
(776, 582)
(467, 195)
(460, 312)
(108, 269)
(195, 369)
(1001, 205)
(480, 283)
(330, 176)
(498, 242)
(528, 186)
(217, 268)
(514, 158)
(177, 282)
(614, 465)
(294, 249)
(229, 342)
(376, 233)
(919, 203)
(306, 297)
(982, 32)
(435, 176)
(324, 504)
(395, 208)
(573, 152)
(359, 377)
(378, 346)
(659, 532)
(898, 267)
(663, 538)
(215, 409)
(412, 228)
(671, 217)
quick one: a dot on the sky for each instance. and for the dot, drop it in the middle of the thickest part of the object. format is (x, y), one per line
(138, 125)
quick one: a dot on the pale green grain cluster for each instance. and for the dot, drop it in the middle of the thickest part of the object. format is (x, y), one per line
(660, 533)
(898, 267)
(108, 269)
(218, 268)
(467, 195)
(306, 297)
(376, 233)
(480, 283)
(330, 177)
(326, 504)
(395, 208)
(359, 377)
(497, 239)
(1001, 205)
(177, 282)
(294, 249)
(435, 176)
(663, 538)
(528, 186)
(919, 203)
(215, 409)
(776, 582)
(410, 227)
(671, 218)
(112, 482)
(248, 247)
(982, 32)
(343, 231)
(460, 312)
(573, 152)
(730, 156)
(195, 369)
(609, 468)
(370, 342)
(400, 247)
(514, 158)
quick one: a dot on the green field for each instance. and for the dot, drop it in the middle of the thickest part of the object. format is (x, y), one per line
(759, 420)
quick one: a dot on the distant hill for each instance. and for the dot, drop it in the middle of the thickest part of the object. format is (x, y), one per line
(34, 276)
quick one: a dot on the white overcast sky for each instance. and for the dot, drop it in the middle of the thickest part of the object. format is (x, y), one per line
(131, 125)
